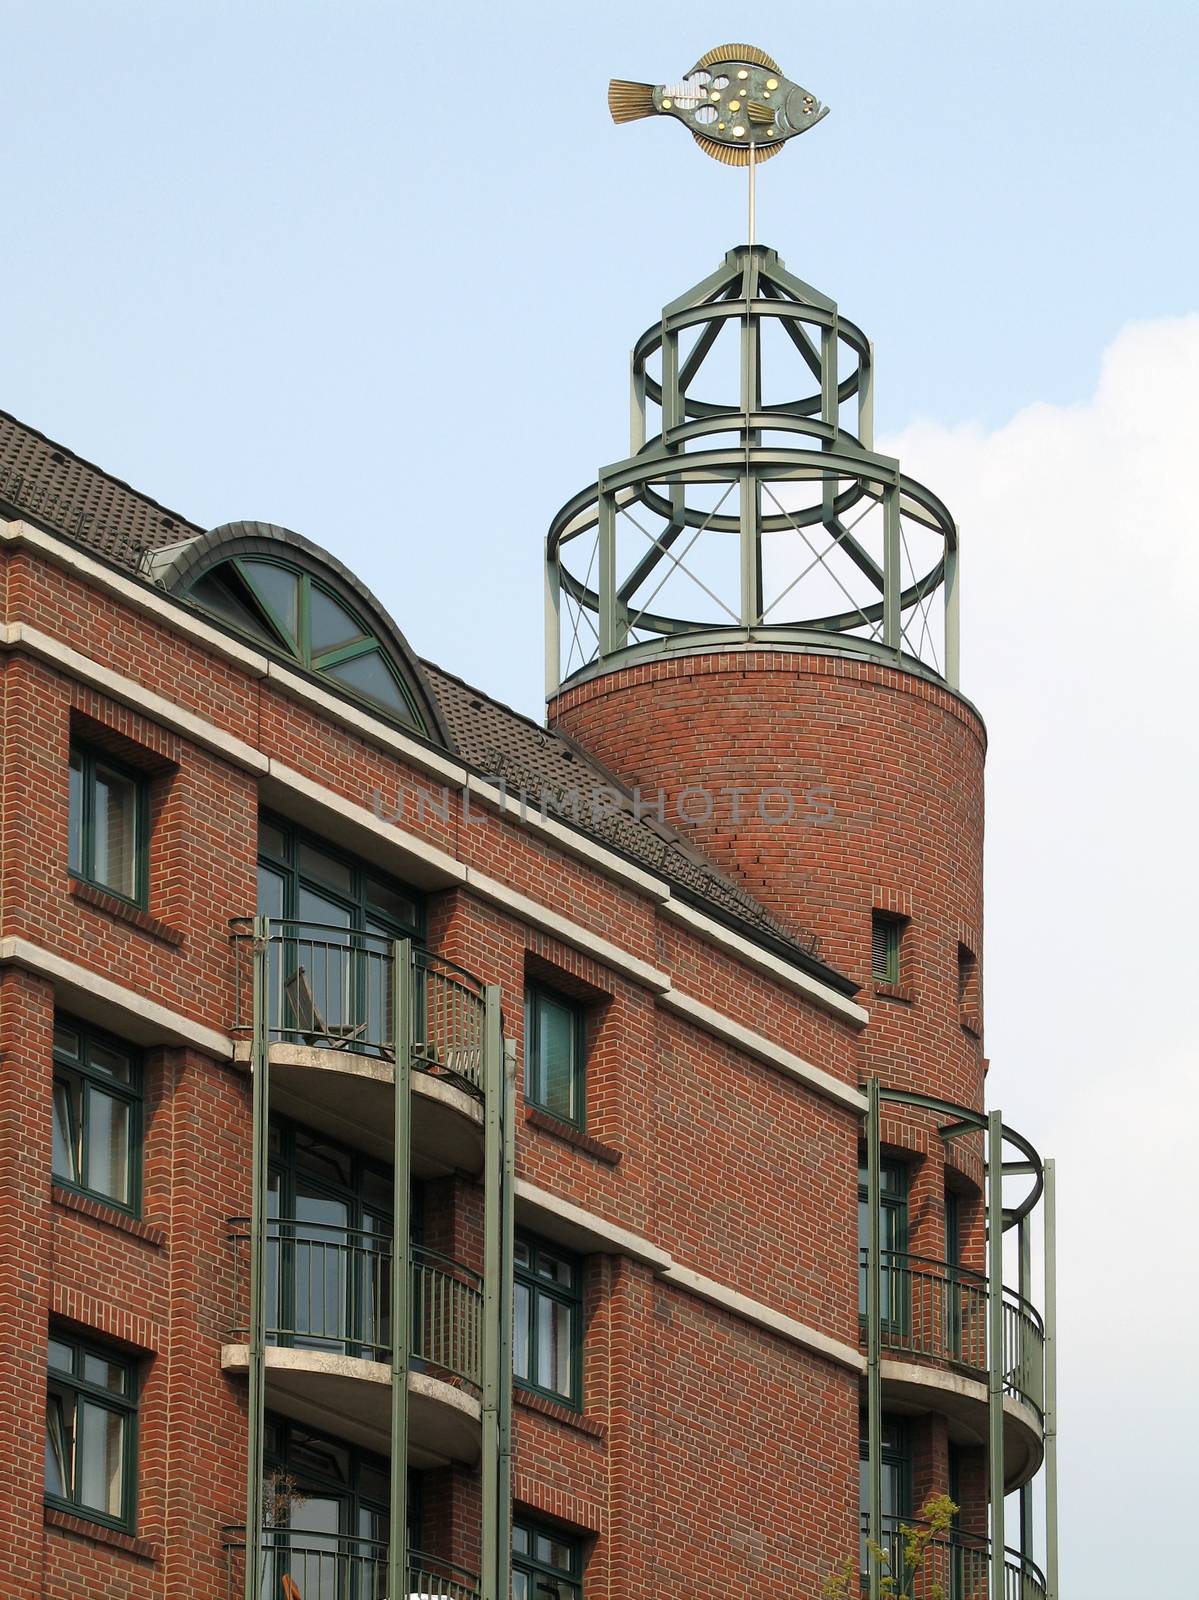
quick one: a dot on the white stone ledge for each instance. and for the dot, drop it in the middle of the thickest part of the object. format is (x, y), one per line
(142, 1020)
(572, 933)
(776, 1322)
(20, 636)
(582, 1230)
(153, 602)
(763, 1049)
(766, 961)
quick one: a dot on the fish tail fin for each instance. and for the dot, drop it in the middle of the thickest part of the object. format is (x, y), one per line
(629, 101)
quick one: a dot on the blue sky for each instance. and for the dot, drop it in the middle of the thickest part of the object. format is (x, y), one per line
(373, 273)
(372, 270)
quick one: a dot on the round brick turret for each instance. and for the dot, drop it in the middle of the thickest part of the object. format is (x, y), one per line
(833, 790)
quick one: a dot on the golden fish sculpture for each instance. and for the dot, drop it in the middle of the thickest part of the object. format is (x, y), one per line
(734, 98)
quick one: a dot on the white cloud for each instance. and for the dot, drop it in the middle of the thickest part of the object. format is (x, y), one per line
(1080, 540)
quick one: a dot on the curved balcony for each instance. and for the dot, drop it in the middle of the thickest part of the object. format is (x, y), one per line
(938, 1314)
(956, 1565)
(324, 1566)
(328, 1332)
(329, 1003)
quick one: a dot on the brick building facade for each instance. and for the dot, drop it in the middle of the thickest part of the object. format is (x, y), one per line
(200, 728)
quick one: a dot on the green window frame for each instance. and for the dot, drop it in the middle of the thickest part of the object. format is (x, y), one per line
(328, 1258)
(547, 1564)
(547, 1345)
(896, 1458)
(91, 1431)
(299, 872)
(97, 1115)
(108, 825)
(283, 605)
(886, 934)
(556, 1054)
(893, 1241)
(327, 1504)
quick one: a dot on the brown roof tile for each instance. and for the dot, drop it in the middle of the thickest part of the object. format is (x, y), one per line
(47, 484)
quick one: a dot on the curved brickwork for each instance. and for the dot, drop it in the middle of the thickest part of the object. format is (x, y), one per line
(861, 790)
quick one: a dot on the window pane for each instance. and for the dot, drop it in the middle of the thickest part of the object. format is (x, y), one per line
(110, 1375)
(271, 840)
(223, 592)
(270, 892)
(520, 1338)
(100, 1457)
(330, 625)
(75, 815)
(115, 833)
(553, 1345)
(57, 1471)
(553, 1552)
(107, 1145)
(66, 1041)
(279, 588)
(64, 1160)
(369, 675)
(108, 1060)
(554, 1268)
(520, 1586)
(61, 1356)
(390, 903)
(554, 1084)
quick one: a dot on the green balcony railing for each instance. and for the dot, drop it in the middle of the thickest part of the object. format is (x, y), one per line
(302, 1565)
(932, 1309)
(956, 1565)
(329, 1288)
(332, 988)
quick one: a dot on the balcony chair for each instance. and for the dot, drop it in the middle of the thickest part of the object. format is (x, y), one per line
(308, 1021)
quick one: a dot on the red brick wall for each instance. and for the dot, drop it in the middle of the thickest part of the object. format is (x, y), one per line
(708, 1449)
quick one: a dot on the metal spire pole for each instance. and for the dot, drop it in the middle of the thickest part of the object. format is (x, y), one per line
(753, 168)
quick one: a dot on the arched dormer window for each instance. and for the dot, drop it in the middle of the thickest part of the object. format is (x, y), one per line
(290, 597)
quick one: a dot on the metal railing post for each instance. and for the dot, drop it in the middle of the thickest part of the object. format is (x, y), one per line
(1024, 1240)
(493, 1308)
(401, 1264)
(874, 1380)
(995, 1345)
(507, 1256)
(892, 576)
(260, 1052)
(1050, 1225)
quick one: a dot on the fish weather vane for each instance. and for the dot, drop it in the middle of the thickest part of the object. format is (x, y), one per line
(734, 102)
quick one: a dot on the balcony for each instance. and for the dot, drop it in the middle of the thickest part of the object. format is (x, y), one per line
(328, 1335)
(329, 999)
(323, 1566)
(956, 1565)
(938, 1314)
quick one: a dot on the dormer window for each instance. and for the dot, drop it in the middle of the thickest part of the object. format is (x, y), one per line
(288, 608)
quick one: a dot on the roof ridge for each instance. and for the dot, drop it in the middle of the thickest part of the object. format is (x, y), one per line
(91, 466)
